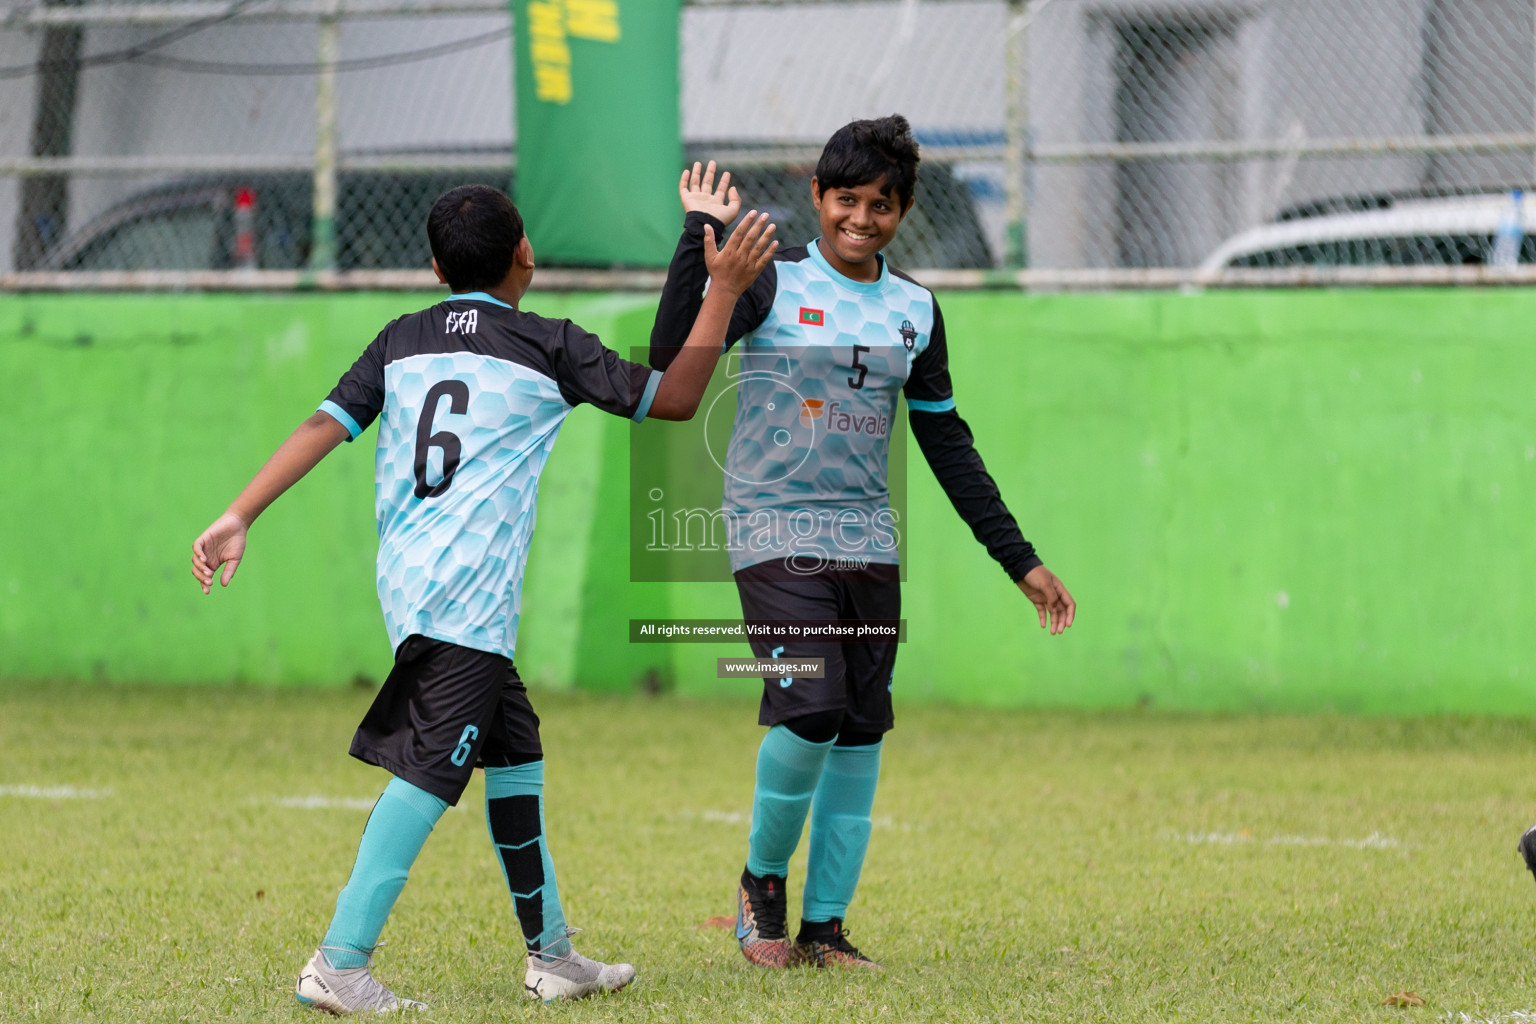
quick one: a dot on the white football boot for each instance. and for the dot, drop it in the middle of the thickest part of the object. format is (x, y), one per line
(572, 976)
(340, 992)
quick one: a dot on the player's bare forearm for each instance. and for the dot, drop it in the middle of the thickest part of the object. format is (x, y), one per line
(682, 386)
(223, 543)
(306, 446)
(731, 270)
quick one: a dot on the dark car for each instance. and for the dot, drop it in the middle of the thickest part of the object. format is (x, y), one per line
(194, 223)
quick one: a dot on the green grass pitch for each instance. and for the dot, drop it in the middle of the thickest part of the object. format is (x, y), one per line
(1025, 866)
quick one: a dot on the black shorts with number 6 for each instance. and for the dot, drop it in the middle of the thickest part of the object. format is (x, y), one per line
(443, 710)
(858, 675)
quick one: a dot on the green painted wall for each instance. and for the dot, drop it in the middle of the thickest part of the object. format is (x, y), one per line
(132, 423)
(1261, 500)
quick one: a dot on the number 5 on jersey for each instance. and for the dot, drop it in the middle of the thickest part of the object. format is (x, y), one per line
(858, 382)
(453, 449)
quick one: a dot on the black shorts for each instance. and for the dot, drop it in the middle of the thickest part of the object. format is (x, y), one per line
(443, 711)
(858, 675)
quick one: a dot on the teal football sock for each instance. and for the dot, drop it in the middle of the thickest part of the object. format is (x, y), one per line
(514, 812)
(840, 827)
(787, 770)
(396, 831)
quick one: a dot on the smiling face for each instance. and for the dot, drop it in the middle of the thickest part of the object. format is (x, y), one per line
(856, 223)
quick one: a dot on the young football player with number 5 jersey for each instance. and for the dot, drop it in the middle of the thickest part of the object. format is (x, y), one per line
(470, 395)
(829, 334)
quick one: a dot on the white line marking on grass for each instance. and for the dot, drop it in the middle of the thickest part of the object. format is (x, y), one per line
(1513, 1017)
(330, 803)
(326, 803)
(55, 792)
(1374, 841)
(745, 818)
(726, 817)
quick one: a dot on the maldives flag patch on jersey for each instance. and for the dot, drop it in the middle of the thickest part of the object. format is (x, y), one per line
(812, 316)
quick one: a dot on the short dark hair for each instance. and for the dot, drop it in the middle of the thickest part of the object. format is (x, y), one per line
(862, 152)
(474, 231)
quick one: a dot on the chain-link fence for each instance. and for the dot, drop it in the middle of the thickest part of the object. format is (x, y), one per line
(1093, 141)
(1300, 134)
(255, 134)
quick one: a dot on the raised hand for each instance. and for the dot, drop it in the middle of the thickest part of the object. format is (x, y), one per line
(1049, 596)
(700, 194)
(223, 543)
(734, 266)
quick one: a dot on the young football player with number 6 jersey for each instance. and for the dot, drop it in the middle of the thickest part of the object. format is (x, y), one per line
(828, 336)
(470, 395)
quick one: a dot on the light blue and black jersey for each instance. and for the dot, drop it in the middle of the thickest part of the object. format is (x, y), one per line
(470, 395)
(822, 360)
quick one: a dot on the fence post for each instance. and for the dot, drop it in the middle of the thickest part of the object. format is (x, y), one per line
(1016, 133)
(41, 222)
(322, 255)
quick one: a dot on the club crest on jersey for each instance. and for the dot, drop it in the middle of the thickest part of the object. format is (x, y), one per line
(811, 410)
(814, 317)
(465, 322)
(908, 334)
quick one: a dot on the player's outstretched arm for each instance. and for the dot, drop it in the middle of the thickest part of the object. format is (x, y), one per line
(732, 268)
(223, 543)
(1049, 596)
(704, 203)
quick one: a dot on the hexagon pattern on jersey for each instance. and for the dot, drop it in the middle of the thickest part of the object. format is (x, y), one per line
(451, 565)
(810, 447)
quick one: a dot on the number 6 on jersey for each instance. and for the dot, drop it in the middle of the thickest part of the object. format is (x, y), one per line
(458, 393)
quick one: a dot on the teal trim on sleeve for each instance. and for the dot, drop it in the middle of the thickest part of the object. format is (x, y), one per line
(341, 416)
(477, 297)
(648, 396)
(917, 405)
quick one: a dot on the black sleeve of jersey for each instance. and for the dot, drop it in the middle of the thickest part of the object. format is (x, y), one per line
(683, 294)
(947, 444)
(586, 370)
(929, 381)
(360, 392)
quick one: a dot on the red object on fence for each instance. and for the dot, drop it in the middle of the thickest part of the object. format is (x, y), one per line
(245, 228)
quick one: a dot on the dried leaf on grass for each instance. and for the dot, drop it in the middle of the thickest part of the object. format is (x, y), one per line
(1403, 999)
(719, 922)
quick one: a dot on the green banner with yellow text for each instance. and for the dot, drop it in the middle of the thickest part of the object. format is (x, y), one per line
(598, 147)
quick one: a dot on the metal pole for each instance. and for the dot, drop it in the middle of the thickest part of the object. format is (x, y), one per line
(322, 256)
(1016, 132)
(42, 219)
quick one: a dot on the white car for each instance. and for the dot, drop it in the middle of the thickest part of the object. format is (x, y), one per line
(1380, 231)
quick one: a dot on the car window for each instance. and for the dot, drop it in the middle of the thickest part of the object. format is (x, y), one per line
(184, 239)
